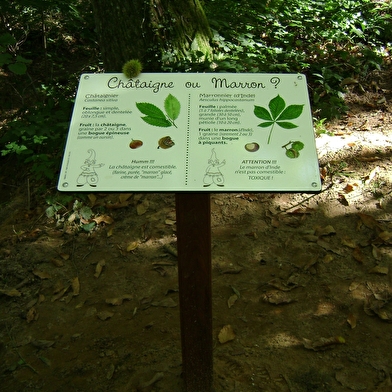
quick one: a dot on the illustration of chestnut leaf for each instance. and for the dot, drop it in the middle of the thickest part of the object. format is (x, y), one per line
(155, 116)
(278, 114)
(172, 107)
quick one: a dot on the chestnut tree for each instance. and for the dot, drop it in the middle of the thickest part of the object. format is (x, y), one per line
(150, 31)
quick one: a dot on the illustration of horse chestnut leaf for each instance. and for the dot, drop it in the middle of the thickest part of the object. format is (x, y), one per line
(293, 149)
(153, 115)
(278, 114)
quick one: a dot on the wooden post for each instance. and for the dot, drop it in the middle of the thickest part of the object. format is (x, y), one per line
(194, 277)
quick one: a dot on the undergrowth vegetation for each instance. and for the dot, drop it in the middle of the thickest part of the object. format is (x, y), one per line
(45, 45)
(329, 40)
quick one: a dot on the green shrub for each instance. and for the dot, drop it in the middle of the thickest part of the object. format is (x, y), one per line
(37, 135)
(328, 41)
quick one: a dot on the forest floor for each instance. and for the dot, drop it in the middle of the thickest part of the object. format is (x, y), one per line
(302, 284)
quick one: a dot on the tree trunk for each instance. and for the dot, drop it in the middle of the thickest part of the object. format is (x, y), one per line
(147, 30)
(181, 26)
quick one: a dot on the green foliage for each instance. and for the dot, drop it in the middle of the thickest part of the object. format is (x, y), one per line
(319, 126)
(15, 63)
(39, 91)
(45, 30)
(327, 40)
(46, 44)
(36, 136)
(75, 219)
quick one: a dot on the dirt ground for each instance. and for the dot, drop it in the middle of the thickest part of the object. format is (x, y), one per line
(302, 284)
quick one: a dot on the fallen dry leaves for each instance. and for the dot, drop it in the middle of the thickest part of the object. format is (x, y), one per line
(226, 334)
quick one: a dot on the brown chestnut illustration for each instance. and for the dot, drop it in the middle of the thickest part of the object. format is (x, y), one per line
(165, 142)
(252, 147)
(135, 144)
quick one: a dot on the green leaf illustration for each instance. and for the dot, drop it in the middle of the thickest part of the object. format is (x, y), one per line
(172, 107)
(278, 113)
(286, 124)
(266, 124)
(262, 113)
(150, 110)
(291, 112)
(276, 106)
(157, 121)
(155, 116)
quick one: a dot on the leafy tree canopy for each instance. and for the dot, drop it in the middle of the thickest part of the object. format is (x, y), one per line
(46, 44)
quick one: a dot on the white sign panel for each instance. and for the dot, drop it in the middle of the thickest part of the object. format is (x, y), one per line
(191, 132)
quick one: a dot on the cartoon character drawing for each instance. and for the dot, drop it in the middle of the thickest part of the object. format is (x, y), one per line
(213, 175)
(88, 174)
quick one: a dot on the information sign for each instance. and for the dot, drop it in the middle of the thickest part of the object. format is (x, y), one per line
(191, 132)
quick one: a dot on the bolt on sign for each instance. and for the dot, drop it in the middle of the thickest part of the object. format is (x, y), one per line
(191, 132)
